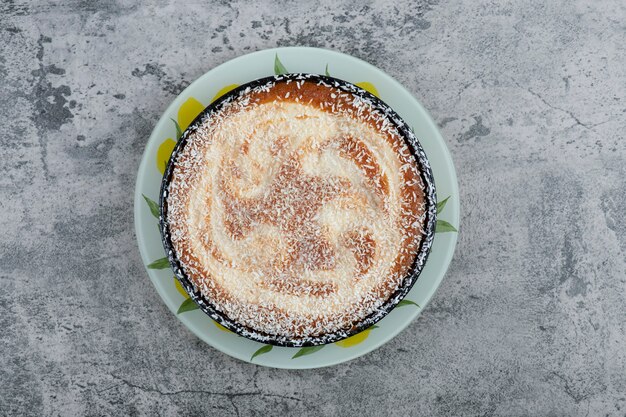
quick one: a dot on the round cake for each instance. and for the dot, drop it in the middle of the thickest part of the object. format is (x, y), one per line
(297, 210)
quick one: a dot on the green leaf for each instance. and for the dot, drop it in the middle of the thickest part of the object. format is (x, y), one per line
(154, 207)
(443, 226)
(187, 305)
(261, 351)
(307, 351)
(179, 132)
(374, 327)
(442, 204)
(326, 71)
(279, 68)
(406, 302)
(160, 264)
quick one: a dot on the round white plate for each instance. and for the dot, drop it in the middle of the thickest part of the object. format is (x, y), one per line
(257, 65)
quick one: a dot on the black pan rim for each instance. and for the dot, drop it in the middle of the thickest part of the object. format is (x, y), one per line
(409, 280)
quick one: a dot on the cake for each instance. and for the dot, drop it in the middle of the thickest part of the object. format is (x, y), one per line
(294, 210)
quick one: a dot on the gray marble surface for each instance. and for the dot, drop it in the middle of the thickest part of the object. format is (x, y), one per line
(531, 318)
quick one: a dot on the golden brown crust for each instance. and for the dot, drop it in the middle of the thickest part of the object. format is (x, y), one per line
(304, 249)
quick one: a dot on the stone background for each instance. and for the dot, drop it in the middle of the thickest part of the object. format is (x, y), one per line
(531, 98)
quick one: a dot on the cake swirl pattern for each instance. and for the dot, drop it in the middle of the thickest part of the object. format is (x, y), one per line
(296, 208)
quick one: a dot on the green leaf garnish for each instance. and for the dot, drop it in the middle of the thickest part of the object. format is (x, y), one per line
(262, 350)
(279, 68)
(187, 305)
(374, 327)
(179, 132)
(326, 71)
(154, 207)
(443, 226)
(406, 302)
(442, 204)
(307, 351)
(160, 264)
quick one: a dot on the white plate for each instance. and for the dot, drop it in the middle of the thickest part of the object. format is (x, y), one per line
(261, 64)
